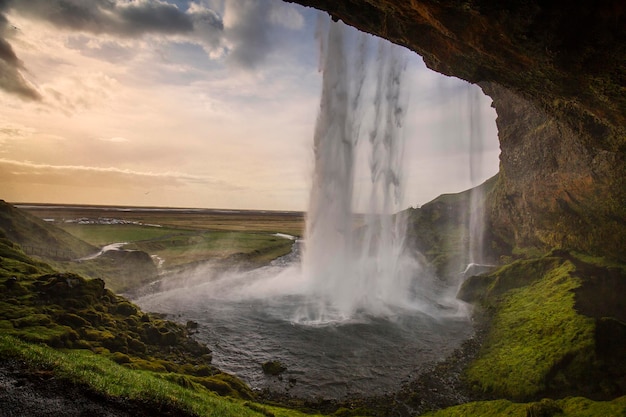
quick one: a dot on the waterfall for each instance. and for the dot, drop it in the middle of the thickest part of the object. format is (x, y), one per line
(476, 209)
(353, 263)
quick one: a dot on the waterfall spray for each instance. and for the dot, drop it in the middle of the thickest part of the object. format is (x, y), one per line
(357, 267)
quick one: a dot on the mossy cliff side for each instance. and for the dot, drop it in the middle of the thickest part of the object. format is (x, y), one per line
(64, 310)
(557, 76)
(558, 329)
(440, 230)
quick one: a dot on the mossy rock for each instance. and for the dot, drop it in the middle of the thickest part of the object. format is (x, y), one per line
(537, 343)
(225, 385)
(146, 365)
(136, 346)
(125, 308)
(120, 358)
(72, 320)
(544, 408)
(55, 336)
(273, 368)
(520, 273)
(32, 320)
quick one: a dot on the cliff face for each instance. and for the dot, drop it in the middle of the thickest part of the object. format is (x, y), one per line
(555, 188)
(557, 76)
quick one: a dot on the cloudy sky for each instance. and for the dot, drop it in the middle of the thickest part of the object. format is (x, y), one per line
(197, 104)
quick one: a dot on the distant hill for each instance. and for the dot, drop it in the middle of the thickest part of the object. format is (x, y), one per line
(36, 237)
(440, 229)
(120, 270)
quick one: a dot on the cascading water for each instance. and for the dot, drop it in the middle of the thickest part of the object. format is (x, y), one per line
(357, 267)
(476, 259)
(477, 210)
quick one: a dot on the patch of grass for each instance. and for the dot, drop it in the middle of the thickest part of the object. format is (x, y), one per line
(208, 220)
(103, 234)
(106, 377)
(177, 247)
(498, 408)
(30, 231)
(537, 341)
(220, 245)
(569, 407)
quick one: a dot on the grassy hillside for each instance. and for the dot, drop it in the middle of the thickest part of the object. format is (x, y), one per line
(440, 230)
(42, 239)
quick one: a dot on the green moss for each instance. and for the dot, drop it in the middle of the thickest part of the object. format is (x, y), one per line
(520, 273)
(568, 407)
(120, 358)
(56, 336)
(273, 367)
(109, 379)
(583, 407)
(498, 408)
(146, 365)
(537, 341)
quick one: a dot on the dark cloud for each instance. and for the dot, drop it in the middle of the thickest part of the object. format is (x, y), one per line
(122, 18)
(249, 38)
(259, 28)
(11, 79)
(250, 33)
(145, 17)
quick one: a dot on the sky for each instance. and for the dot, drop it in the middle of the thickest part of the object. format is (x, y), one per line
(204, 103)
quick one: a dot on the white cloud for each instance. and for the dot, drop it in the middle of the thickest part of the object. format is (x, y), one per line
(115, 139)
(104, 177)
(287, 16)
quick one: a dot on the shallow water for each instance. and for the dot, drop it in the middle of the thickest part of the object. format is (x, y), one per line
(245, 324)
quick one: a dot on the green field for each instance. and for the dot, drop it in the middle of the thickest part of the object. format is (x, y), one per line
(174, 238)
(180, 237)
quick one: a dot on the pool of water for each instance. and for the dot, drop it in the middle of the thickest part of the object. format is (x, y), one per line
(246, 323)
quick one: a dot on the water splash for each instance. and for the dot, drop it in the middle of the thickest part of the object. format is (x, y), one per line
(358, 264)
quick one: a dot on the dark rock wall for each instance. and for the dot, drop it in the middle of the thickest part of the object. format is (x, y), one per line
(557, 74)
(554, 189)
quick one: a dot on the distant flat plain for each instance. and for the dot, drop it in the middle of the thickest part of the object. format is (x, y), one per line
(179, 236)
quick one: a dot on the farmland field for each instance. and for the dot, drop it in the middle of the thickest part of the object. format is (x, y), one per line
(178, 238)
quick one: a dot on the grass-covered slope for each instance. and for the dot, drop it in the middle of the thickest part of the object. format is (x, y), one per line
(44, 239)
(121, 270)
(64, 310)
(440, 229)
(567, 407)
(557, 330)
(147, 393)
(546, 336)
